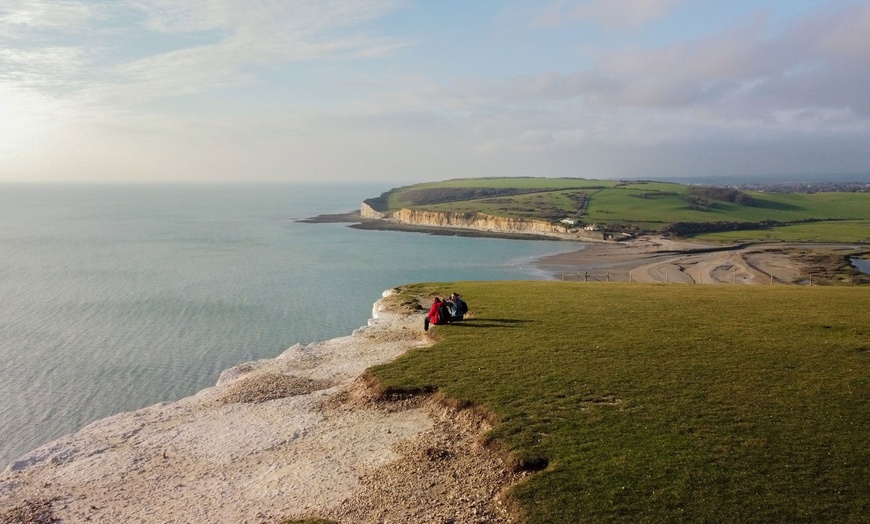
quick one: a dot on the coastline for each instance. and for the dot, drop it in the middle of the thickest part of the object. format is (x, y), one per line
(296, 436)
(357, 221)
(301, 434)
(654, 258)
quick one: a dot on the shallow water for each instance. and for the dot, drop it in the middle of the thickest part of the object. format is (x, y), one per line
(861, 264)
(113, 298)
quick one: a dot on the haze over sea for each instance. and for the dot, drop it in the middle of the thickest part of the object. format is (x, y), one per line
(116, 297)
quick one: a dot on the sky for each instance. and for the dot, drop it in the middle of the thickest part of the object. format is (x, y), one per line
(411, 90)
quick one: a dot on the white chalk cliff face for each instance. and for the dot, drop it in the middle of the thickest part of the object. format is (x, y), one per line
(481, 222)
(270, 439)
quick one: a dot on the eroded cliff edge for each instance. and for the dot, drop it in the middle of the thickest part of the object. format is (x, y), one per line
(487, 223)
(294, 436)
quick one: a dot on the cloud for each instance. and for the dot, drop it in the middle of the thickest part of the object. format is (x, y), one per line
(607, 13)
(40, 68)
(815, 66)
(745, 89)
(217, 43)
(214, 86)
(25, 17)
(845, 34)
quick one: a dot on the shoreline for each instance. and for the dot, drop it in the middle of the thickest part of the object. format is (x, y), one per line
(300, 435)
(655, 259)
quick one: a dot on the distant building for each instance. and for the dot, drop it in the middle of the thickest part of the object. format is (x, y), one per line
(569, 221)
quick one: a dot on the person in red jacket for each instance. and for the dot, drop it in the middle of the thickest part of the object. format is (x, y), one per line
(435, 316)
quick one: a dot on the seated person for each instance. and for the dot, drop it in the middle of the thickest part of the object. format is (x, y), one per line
(439, 313)
(451, 306)
(458, 307)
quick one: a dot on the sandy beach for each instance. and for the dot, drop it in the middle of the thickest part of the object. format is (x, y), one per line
(295, 436)
(655, 259)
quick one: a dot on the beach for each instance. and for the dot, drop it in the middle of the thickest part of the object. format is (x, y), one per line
(655, 259)
(650, 258)
(296, 436)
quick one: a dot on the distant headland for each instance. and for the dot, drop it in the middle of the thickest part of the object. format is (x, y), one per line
(657, 231)
(618, 210)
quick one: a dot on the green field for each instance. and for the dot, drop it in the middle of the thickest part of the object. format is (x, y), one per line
(649, 207)
(841, 231)
(654, 403)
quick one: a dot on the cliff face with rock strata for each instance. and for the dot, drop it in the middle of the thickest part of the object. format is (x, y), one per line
(480, 222)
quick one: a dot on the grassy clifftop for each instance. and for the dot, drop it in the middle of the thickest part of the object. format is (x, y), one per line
(651, 207)
(653, 403)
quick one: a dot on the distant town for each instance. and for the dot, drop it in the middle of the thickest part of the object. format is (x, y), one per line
(808, 187)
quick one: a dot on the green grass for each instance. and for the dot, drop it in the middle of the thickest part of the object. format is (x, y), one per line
(841, 231)
(398, 198)
(535, 183)
(643, 206)
(665, 403)
(554, 205)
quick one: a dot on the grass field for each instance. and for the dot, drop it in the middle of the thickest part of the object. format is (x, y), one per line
(842, 231)
(654, 403)
(644, 206)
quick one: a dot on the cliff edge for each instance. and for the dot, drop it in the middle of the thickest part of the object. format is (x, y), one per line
(294, 436)
(484, 222)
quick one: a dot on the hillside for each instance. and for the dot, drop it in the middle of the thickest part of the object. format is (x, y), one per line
(712, 213)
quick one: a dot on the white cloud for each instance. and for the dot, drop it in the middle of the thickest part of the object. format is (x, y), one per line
(103, 95)
(744, 89)
(23, 17)
(216, 43)
(741, 74)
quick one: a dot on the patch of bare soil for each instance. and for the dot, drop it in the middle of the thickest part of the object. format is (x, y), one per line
(269, 386)
(444, 475)
(29, 512)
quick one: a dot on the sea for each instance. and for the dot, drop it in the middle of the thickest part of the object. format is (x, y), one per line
(117, 297)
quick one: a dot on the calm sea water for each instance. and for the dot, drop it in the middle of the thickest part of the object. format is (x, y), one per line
(113, 298)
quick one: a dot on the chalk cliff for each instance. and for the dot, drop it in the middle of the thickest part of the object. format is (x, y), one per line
(367, 211)
(481, 222)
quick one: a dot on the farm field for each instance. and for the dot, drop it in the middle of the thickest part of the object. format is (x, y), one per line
(839, 231)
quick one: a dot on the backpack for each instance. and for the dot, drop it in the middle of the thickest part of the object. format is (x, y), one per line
(443, 314)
